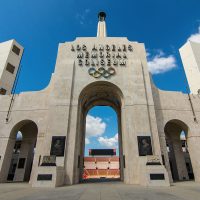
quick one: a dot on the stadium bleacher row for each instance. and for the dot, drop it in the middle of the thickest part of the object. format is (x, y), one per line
(101, 167)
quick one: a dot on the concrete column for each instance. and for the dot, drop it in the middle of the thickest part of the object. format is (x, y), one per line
(8, 144)
(29, 161)
(130, 146)
(179, 156)
(194, 151)
(180, 160)
(165, 154)
(26, 151)
(37, 158)
(72, 154)
(172, 162)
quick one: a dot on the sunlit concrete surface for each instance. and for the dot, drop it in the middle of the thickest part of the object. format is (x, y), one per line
(101, 191)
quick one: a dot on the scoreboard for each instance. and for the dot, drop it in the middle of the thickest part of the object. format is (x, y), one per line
(102, 152)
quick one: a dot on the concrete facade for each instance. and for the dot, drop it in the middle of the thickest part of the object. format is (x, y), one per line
(190, 55)
(94, 71)
(10, 57)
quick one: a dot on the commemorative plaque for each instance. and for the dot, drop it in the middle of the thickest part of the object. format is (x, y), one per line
(153, 160)
(49, 161)
(58, 145)
(144, 145)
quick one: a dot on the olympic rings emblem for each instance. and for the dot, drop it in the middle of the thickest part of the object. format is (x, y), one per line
(97, 73)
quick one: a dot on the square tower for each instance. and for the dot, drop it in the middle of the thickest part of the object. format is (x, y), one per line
(190, 55)
(10, 57)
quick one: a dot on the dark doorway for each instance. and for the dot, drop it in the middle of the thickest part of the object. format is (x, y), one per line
(178, 153)
(22, 142)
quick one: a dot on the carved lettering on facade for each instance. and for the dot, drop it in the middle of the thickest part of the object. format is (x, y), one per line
(72, 48)
(94, 48)
(124, 47)
(108, 55)
(130, 48)
(92, 62)
(84, 48)
(87, 63)
(115, 62)
(107, 48)
(87, 55)
(80, 62)
(78, 48)
(102, 57)
(94, 55)
(113, 47)
(122, 62)
(108, 62)
(80, 55)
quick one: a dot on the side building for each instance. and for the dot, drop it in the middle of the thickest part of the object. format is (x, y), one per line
(10, 57)
(190, 55)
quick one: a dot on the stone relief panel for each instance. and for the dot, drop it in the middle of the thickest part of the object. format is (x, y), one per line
(58, 145)
(144, 145)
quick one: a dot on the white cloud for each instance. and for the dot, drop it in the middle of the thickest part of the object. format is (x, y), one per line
(94, 126)
(195, 37)
(161, 63)
(147, 53)
(87, 141)
(82, 16)
(109, 142)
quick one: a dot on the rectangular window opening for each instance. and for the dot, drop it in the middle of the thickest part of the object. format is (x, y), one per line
(2, 91)
(10, 68)
(16, 50)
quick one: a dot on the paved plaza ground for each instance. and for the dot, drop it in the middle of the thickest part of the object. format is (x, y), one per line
(101, 191)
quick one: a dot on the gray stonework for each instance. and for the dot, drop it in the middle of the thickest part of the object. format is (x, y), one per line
(61, 108)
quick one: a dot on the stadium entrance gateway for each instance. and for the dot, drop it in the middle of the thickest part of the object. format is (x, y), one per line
(98, 94)
(95, 71)
(102, 164)
(108, 63)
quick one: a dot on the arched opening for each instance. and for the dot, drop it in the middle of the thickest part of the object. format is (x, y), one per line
(101, 154)
(99, 95)
(20, 151)
(179, 159)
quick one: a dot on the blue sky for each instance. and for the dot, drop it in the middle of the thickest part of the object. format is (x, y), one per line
(39, 25)
(101, 128)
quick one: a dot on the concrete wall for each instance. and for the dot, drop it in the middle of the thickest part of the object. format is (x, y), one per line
(190, 55)
(8, 56)
(137, 103)
(178, 107)
(26, 107)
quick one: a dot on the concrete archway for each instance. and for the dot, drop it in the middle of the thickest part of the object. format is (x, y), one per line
(18, 160)
(176, 132)
(99, 93)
